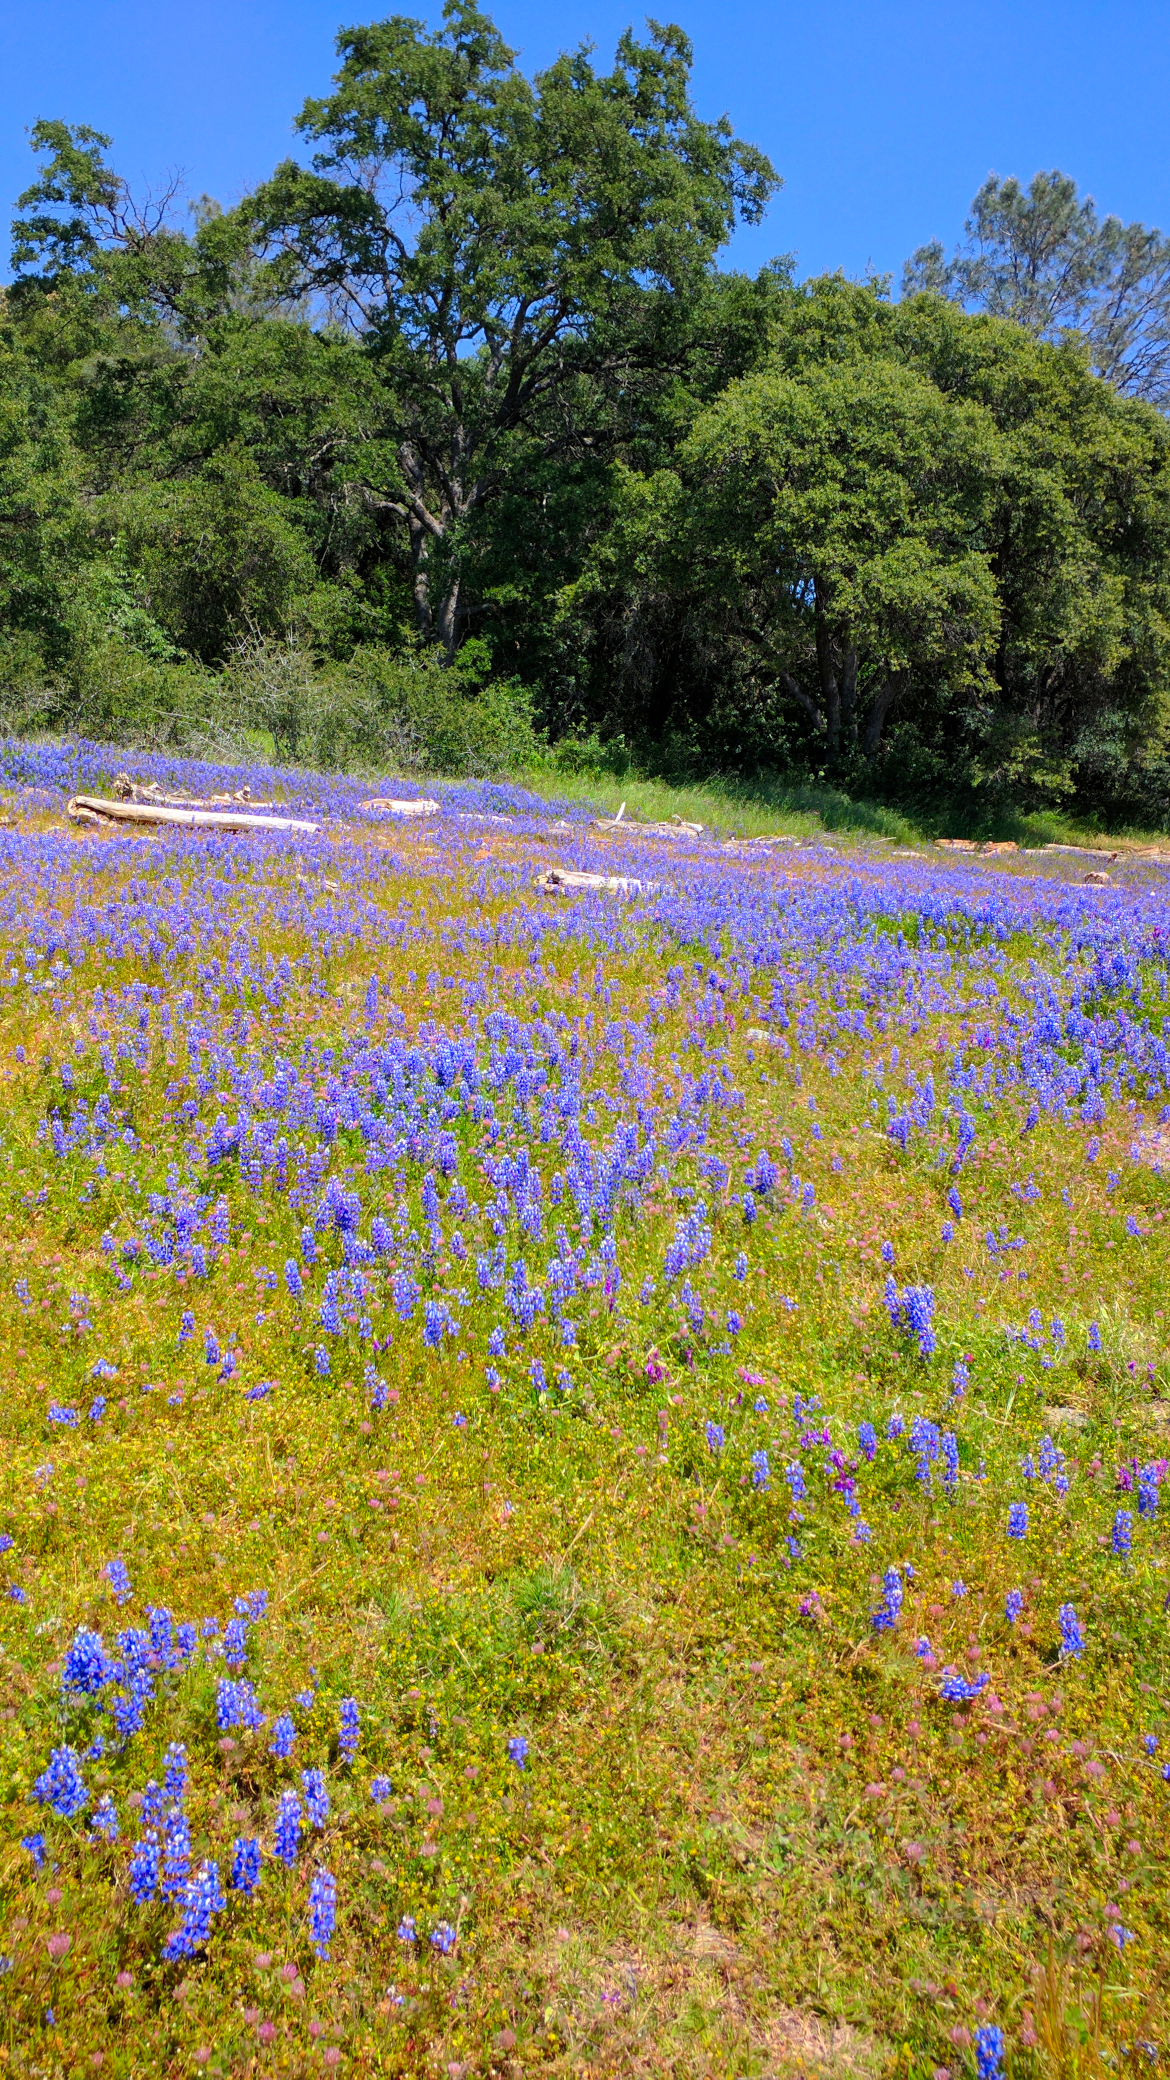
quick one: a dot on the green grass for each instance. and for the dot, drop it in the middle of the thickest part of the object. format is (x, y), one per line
(750, 1837)
(748, 808)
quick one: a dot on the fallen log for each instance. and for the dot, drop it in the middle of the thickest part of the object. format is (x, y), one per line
(1081, 851)
(563, 880)
(84, 808)
(149, 792)
(676, 828)
(422, 807)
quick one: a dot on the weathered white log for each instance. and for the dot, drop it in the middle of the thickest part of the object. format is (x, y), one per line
(1082, 851)
(676, 828)
(186, 819)
(563, 880)
(423, 807)
(149, 792)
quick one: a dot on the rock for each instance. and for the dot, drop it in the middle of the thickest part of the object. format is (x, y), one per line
(1066, 1419)
(1098, 879)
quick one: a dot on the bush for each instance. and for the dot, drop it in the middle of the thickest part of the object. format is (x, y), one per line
(379, 710)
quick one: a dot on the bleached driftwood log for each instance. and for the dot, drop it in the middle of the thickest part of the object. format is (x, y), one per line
(84, 808)
(678, 827)
(561, 881)
(127, 789)
(1081, 851)
(423, 807)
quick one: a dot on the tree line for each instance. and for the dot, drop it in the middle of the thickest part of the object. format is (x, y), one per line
(453, 439)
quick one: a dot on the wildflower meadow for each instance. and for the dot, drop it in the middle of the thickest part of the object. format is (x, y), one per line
(583, 1470)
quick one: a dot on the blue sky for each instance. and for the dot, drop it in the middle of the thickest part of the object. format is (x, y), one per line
(882, 115)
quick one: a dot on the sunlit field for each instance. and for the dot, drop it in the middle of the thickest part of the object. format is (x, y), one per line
(581, 1475)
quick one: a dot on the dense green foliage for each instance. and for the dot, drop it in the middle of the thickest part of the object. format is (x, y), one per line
(455, 428)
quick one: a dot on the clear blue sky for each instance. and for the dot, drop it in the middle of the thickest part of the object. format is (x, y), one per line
(883, 116)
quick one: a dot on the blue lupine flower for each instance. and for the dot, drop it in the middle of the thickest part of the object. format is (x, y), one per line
(35, 1844)
(1013, 1605)
(957, 1690)
(321, 1365)
(236, 1704)
(1072, 1639)
(292, 1278)
(348, 1728)
(443, 1937)
(714, 1434)
(886, 1616)
(104, 1818)
(316, 1796)
(761, 1471)
(989, 2052)
(1122, 1538)
(245, 1875)
(867, 1440)
(894, 1428)
(380, 1790)
(1017, 1522)
(1150, 1743)
(176, 1853)
(201, 1900)
(322, 1911)
(1147, 1492)
(950, 1459)
(407, 1930)
(794, 1475)
(186, 1326)
(1094, 1337)
(284, 1733)
(175, 1774)
(288, 1827)
(60, 1784)
(235, 1642)
(144, 1869)
(85, 1667)
(518, 1751)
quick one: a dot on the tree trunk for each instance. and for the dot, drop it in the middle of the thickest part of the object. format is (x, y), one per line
(849, 689)
(448, 618)
(420, 543)
(885, 694)
(830, 683)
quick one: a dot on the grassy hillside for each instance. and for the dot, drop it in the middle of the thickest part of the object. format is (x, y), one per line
(582, 1473)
